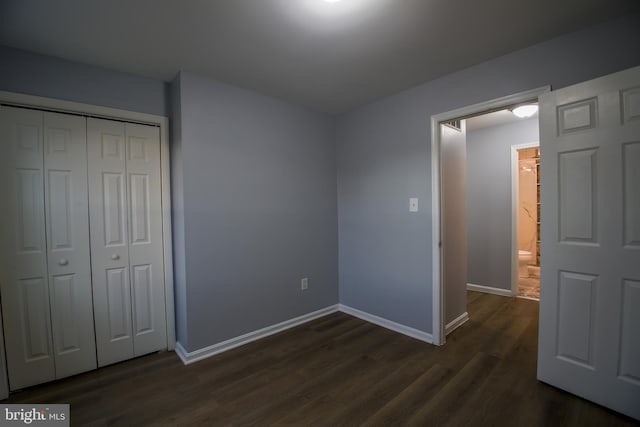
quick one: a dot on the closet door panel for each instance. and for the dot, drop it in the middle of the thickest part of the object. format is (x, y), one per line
(145, 238)
(67, 224)
(118, 305)
(23, 254)
(108, 212)
(34, 322)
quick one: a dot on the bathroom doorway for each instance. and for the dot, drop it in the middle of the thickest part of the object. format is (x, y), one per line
(525, 175)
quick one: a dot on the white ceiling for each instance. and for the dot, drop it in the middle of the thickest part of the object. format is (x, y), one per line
(328, 56)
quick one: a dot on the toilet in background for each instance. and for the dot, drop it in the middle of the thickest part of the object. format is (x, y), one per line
(524, 259)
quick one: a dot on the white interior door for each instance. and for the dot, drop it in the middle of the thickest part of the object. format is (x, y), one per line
(23, 252)
(453, 160)
(109, 237)
(67, 229)
(126, 239)
(590, 286)
(145, 235)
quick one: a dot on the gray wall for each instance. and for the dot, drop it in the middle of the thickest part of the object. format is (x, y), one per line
(259, 196)
(177, 214)
(489, 200)
(41, 75)
(384, 157)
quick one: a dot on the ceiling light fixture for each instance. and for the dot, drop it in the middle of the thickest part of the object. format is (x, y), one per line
(524, 111)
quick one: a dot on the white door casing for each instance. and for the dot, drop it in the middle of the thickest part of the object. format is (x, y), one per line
(589, 342)
(67, 229)
(126, 244)
(23, 254)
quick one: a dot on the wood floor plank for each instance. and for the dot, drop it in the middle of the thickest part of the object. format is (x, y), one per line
(456, 393)
(398, 410)
(340, 371)
(317, 384)
(369, 393)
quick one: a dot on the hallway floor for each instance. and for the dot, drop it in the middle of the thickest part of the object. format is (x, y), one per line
(529, 287)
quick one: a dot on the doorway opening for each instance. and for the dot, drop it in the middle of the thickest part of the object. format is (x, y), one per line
(446, 260)
(525, 174)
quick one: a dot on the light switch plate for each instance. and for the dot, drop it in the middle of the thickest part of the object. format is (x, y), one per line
(413, 204)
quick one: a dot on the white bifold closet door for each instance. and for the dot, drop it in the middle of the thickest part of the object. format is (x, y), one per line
(126, 239)
(45, 274)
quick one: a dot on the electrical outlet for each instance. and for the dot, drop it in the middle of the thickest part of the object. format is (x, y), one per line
(304, 284)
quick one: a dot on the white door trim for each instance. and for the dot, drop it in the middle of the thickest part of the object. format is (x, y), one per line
(495, 104)
(514, 211)
(62, 106)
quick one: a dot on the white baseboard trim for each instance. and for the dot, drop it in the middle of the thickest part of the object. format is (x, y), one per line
(385, 323)
(203, 353)
(529, 298)
(182, 353)
(456, 323)
(489, 290)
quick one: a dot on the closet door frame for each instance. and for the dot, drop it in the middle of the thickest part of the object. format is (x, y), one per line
(61, 106)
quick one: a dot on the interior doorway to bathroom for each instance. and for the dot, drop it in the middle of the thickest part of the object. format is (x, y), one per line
(525, 175)
(502, 169)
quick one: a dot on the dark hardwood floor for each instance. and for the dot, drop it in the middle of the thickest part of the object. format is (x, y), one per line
(341, 371)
